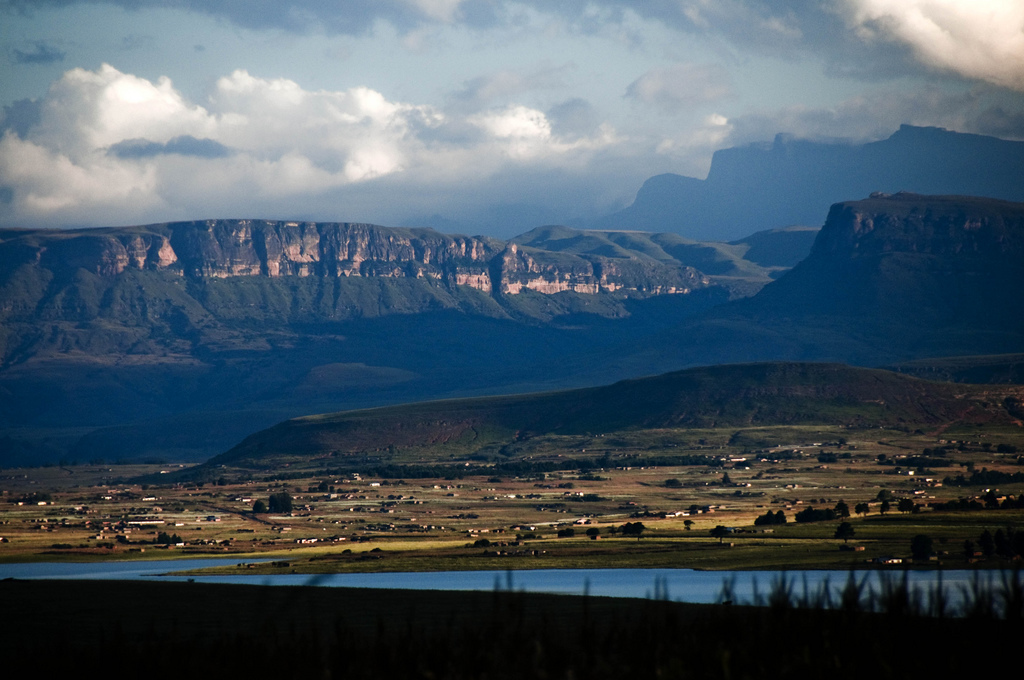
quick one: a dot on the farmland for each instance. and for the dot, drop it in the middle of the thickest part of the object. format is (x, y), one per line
(578, 515)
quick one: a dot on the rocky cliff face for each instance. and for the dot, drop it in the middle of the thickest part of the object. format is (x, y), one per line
(218, 249)
(945, 226)
(906, 258)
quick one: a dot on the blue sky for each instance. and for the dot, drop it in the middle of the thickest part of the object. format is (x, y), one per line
(483, 116)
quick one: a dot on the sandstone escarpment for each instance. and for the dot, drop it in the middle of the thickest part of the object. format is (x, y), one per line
(928, 225)
(219, 249)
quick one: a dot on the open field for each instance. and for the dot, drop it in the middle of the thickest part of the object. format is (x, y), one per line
(350, 521)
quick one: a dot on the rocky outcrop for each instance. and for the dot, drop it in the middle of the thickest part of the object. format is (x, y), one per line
(925, 261)
(237, 248)
(942, 226)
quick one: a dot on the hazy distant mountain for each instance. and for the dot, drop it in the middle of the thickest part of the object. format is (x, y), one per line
(793, 181)
(890, 278)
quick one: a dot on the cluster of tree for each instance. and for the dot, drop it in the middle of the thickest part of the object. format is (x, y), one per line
(770, 518)
(985, 477)
(916, 461)
(164, 539)
(988, 502)
(278, 502)
(33, 498)
(1008, 543)
(633, 529)
(831, 457)
(811, 514)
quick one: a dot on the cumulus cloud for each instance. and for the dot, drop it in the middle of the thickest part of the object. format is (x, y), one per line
(107, 147)
(973, 38)
(681, 86)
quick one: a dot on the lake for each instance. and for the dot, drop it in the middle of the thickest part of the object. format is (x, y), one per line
(683, 585)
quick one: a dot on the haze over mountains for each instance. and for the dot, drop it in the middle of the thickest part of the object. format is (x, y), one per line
(178, 340)
(794, 181)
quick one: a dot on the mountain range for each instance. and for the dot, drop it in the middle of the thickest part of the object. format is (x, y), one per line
(175, 341)
(178, 339)
(794, 181)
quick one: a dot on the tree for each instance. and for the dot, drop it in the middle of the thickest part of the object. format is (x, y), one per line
(905, 505)
(720, 532)
(861, 508)
(968, 550)
(725, 479)
(921, 547)
(844, 531)
(688, 523)
(987, 543)
(673, 483)
(842, 509)
(884, 507)
(280, 502)
(568, 532)
(593, 532)
(259, 507)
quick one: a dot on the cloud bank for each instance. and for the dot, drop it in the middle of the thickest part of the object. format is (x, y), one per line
(108, 146)
(978, 39)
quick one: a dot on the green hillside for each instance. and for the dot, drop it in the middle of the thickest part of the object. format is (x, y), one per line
(718, 396)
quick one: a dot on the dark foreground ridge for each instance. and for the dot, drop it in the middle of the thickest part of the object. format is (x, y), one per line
(307, 632)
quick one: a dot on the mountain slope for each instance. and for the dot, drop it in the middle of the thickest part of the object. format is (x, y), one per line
(733, 395)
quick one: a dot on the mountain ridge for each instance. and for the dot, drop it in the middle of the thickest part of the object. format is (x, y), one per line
(794, 181)
(717, 396)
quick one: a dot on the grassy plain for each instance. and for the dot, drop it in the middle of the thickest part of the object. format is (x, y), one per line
(353, 522)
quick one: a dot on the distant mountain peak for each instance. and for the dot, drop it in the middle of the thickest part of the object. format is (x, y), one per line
(794, 181)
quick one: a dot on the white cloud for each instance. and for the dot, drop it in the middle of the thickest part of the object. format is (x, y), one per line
(110, 147)
(982, 39)
(680, 86)
(439, 10)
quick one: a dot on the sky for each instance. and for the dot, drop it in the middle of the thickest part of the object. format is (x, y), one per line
(476, 116)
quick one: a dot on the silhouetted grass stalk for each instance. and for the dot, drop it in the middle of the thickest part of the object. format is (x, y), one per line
(894, 595)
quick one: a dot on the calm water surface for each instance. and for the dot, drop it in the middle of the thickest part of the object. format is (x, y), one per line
(684, 585)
